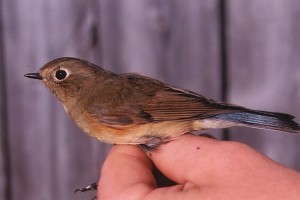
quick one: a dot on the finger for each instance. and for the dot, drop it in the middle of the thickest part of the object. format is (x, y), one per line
(127, 174)
(186, 158)
(127, 171)
(214, 169)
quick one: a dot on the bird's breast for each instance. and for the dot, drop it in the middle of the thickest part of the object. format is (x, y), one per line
(132, 134)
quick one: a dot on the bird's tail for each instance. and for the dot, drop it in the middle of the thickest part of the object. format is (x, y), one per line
(261, 119)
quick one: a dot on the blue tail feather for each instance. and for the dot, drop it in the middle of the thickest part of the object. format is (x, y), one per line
(262, 119)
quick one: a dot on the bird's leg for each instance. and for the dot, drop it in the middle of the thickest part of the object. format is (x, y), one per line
(151, 143)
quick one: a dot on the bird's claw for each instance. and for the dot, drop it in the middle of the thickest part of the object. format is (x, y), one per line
(90, 187)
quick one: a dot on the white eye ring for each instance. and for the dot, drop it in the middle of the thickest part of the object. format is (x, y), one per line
(61, 74)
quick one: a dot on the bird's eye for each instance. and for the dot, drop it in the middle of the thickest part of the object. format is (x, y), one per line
(60, 74)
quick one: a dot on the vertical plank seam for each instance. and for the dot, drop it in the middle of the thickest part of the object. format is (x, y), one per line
(223, 56)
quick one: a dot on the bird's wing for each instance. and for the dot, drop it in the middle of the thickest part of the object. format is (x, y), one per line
(143, 100)
(177, 104)
(124, 115)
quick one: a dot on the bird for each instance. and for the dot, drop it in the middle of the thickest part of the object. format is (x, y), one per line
(129, 108)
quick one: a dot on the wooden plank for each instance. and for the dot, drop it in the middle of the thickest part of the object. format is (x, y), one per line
(4, 149)
(173, 41)
(264, 69)
(50, 156)
(5, 172)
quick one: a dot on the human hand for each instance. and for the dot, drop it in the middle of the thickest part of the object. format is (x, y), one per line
(202, 168)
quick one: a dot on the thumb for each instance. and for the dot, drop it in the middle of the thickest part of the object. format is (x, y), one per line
(186, 158)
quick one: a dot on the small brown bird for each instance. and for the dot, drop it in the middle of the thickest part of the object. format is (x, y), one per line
(134, 109)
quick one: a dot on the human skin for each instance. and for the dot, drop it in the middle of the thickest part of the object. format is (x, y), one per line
(202, 168)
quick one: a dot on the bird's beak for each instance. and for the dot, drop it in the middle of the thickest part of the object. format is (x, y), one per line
(34, 76)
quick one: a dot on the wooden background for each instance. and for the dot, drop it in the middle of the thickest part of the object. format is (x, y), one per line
(244, 52)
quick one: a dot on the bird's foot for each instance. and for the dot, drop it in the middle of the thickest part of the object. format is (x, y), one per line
(90, 187)
(151, 143)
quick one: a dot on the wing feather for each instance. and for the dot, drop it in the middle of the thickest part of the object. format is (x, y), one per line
(177, 104)
(141, 100)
